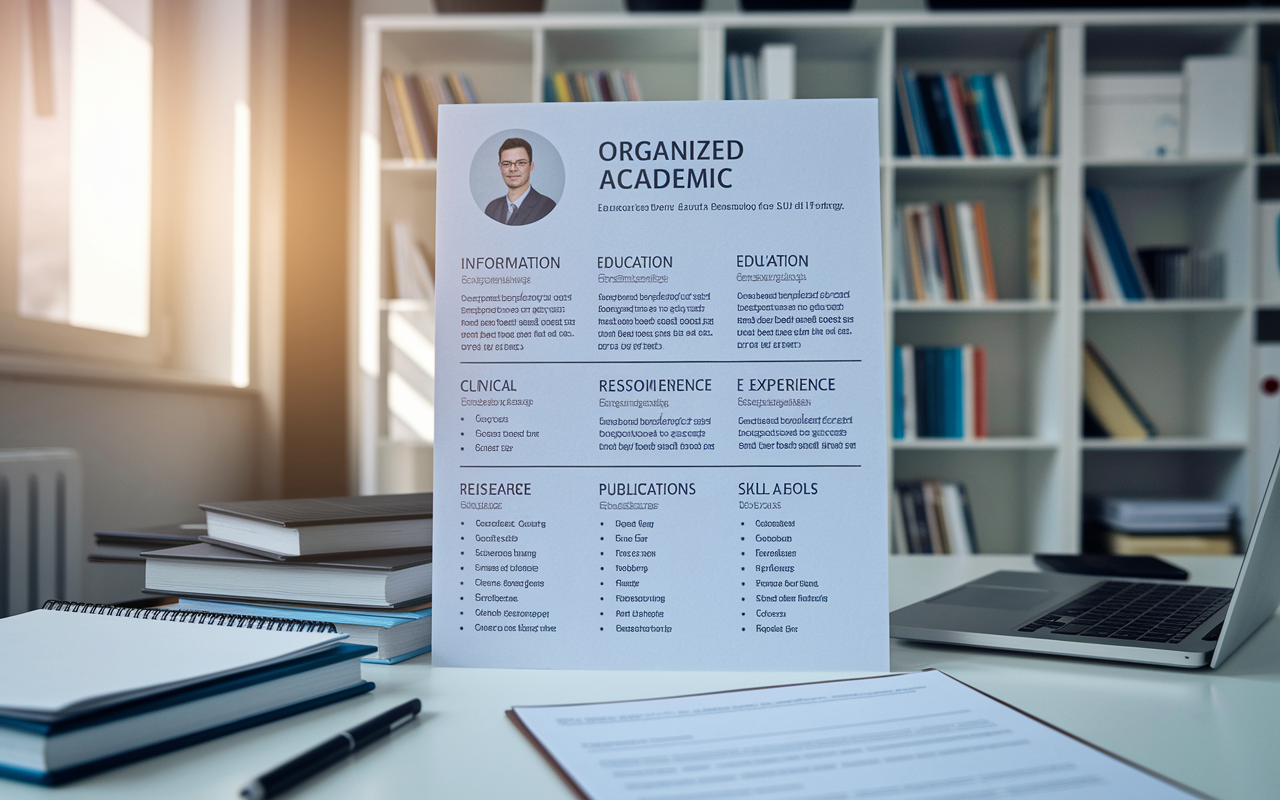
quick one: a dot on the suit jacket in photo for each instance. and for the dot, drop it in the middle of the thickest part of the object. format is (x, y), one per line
(535, 207)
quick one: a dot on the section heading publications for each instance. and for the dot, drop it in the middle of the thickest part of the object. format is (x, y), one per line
(660, 382)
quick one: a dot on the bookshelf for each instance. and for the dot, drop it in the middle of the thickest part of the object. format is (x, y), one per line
(1190, 362)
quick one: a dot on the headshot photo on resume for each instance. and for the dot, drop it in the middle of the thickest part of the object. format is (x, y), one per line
(522, 204)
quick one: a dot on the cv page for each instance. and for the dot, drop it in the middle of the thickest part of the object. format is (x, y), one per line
(660, 387)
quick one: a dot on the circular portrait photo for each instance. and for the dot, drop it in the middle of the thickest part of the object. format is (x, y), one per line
(517, 177)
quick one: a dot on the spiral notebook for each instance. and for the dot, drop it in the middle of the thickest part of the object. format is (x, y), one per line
(101, 686)
(82, 657)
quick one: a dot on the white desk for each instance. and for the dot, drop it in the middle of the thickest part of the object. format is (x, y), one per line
(1213, 730)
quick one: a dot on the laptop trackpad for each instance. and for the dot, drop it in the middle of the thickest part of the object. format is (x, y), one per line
(993, 597)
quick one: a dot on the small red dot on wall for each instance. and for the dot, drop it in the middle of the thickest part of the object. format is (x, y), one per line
(1270, 385)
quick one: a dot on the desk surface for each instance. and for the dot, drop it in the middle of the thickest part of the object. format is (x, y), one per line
(1213, 730)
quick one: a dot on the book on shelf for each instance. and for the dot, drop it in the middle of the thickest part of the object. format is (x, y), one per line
(412, 265)
(413, 101)
(1110, 409)
(932, 517)
(1110, 271)
(374, 581)
(939, 392)
(101, 686)
(1181, 273)
(124, 545)
(399, 635)
(1160, 526)
(1268, 107)
(591, 86)
(769, 74)
(1040, 94)
(948, 114)
(320, 525)
(943, 253)
(1040, 240)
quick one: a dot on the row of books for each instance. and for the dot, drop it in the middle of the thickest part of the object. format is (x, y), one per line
(939, 392)
(769, 76)
(1110, 409)
(1269, 107)
(413, 101)
(947, 114)
(412, 267)
(944, 253)
(931, 517)
(360, 563)
(1158, 273)
(591, 86)
(1178, 273)
(1159, 526)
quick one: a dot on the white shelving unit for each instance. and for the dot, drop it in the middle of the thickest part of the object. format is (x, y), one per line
(1189, 362)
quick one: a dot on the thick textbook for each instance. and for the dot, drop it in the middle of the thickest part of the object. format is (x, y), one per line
(100, 686)
(319, 525)
(128, 545)
(378, 581)
(914, 735)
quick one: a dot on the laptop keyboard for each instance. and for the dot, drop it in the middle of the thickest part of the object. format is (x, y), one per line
(1145, 612)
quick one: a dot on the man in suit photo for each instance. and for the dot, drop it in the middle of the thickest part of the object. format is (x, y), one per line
(522, 203)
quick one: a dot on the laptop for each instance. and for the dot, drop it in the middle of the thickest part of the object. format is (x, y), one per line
(1145, 622)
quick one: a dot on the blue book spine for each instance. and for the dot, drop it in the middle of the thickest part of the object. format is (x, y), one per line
(992, 124)
(917, 113)
(955, 393)
(937, 389)
(1119, 253)
(947, 141)
(899, 401)
(923, 418)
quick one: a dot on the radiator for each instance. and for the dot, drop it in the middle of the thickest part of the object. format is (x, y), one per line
(42, 548)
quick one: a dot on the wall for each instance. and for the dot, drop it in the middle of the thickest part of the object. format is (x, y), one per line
(150, 454)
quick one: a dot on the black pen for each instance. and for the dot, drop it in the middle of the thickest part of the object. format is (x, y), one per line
(321, 757)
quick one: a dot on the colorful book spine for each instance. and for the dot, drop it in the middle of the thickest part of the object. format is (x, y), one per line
(939, 392)
(943, 253)
(930, 516)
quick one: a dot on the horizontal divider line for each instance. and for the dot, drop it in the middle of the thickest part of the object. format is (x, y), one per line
(651, 466)
(734, 361)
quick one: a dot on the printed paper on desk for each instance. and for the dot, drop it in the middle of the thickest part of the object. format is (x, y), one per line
(918, 736)
(660, 416)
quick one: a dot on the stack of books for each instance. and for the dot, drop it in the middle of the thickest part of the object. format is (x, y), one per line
(1110, 409)
(86, 688)
(360, 563)
(1158, 526)
(597, 86)
(947, 114)
(931, 517)
(944, 253)
(413, 102)
(939, 392)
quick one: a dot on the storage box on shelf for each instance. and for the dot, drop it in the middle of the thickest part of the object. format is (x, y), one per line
(1190, 361)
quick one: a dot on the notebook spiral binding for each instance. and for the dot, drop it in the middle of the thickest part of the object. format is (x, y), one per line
(198, 617)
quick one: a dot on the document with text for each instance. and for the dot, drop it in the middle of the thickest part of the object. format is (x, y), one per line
(916, 736)
(660, 426)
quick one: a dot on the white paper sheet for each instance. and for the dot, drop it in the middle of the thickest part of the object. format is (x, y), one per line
(660, 417)
(917, 736)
